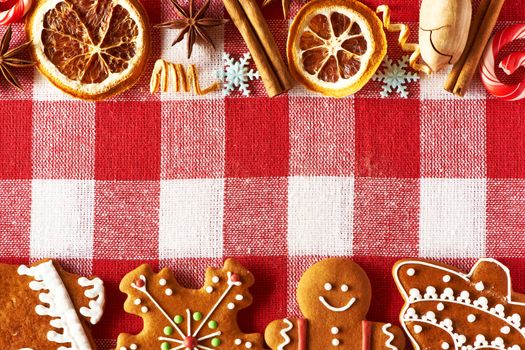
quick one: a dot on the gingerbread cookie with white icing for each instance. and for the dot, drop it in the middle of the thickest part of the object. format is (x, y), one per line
(447, 309)
(44, 307)
(334, 296)
(180, 318)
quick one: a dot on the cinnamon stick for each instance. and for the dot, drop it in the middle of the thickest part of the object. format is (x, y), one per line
(463, 71)
(267, 40)
(250, 22)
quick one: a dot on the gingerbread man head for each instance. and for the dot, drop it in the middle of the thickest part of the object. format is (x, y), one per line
(336, 289)
(334, 296)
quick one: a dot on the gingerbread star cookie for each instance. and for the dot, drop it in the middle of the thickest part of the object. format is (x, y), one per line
(178, 318)
(446, 308)
(44, 307)
(334, 296)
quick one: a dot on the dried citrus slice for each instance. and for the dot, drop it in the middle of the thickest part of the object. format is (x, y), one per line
(90, 49)
(335, 46)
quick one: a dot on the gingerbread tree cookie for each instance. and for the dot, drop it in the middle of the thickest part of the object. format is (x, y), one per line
(334, 296)
(448, 309)
(47, 308)
(188, 319)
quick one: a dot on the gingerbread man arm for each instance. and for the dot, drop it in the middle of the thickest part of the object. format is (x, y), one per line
(287, 334)
(385, 336)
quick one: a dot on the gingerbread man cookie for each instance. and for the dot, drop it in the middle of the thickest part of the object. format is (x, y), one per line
(178, 318)
(334, 297)
(47, 308)
(447, 309)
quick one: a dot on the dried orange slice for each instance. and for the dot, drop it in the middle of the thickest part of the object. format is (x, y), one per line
(90, 49)
(335, 46)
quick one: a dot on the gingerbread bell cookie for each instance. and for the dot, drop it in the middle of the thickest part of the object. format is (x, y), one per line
(44, 307)
(448, 309)
(188, 319)
(334, 296)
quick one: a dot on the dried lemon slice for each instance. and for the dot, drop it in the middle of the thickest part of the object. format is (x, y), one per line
(90, 49)
(335, 46)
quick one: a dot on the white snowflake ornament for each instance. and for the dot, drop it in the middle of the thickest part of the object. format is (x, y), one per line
(236, 74)
(394, 77)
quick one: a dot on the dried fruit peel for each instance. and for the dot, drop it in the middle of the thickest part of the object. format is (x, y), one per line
(355, 65)
(89, 50)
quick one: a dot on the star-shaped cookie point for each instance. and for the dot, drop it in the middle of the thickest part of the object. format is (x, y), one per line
(285, 4)
(193, 23)
(9, 59)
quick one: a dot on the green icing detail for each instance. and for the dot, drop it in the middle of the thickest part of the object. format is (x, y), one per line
(178, 319)
(168, 330)
(215, 342)
(165, 346)
(213, 324)
(197, 316)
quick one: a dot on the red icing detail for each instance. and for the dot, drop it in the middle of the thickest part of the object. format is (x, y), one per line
(235, 278)
(140, 283)
(367, 332)
(302, 330)
(190, 342)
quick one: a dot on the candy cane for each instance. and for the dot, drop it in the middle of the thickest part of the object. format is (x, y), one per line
(509, 65)
(16, 12)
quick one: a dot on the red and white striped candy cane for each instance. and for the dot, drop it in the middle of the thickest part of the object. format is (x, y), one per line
(509, 65)
(16, 12)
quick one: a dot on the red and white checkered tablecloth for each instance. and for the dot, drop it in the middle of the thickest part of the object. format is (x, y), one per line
(183, 181)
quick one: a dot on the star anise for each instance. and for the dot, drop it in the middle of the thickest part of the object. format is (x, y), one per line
(194, 25)
(9, 59)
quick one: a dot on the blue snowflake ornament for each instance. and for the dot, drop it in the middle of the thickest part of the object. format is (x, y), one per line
(236, 74)
(395, 77)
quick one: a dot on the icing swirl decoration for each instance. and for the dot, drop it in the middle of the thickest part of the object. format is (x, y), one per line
(284, 334)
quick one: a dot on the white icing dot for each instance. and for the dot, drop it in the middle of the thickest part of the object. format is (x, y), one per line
(499, 308)
(215, 279)
(345, 288)
(231, 306)
(162, 282)
(237, 342)
(480, 286)
(440, 307)
(327, 286)
(334, 330)
(209, 289)
(446, 278)
(335, 342)
(137, 302)
(445, 346)
(123, 348)
(239, 297)
(411, 272)
(133, 347)
(471, 318)
(144, 309)
(505, 330)
(248, 345)
(418, 329)
(168, 292)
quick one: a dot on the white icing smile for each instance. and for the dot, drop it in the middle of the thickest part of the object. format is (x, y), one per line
(337, 309)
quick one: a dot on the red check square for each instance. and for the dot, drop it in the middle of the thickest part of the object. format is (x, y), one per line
(127, 140)
(257, 137)
(387, 138)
